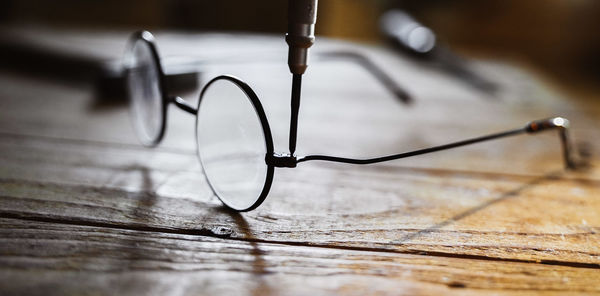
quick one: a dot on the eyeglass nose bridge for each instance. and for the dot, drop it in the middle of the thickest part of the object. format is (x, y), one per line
(183, 105)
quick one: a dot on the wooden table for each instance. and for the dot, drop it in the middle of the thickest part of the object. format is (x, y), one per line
(86, 210)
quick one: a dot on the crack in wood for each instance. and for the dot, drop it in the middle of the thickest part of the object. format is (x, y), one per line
(224, 232)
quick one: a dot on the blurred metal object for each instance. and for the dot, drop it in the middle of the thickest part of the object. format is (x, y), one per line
(407, 32)
(409, 36)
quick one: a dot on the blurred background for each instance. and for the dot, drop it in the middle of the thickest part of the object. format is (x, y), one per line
(558, 39)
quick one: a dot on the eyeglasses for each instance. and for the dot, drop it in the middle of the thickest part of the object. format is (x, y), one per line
(233, 138)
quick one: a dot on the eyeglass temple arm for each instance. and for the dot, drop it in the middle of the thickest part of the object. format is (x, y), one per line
(183, 105)
(369, 66)
(327, 56)
(562, 124)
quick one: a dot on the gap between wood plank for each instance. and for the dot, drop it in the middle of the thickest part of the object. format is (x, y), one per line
(225, 233)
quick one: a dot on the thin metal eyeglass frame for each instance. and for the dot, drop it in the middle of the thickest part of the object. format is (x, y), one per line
(289, 160)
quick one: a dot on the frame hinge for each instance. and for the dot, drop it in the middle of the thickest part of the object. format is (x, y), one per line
(281, 160)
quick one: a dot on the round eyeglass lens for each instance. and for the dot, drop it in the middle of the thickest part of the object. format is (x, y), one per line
(231, 145)
(145, 96)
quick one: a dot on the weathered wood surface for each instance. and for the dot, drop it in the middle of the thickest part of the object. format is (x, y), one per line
(102, 259)
(87, 209)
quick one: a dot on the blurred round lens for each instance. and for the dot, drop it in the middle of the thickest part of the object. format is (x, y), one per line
(144, 89)
(232, 145)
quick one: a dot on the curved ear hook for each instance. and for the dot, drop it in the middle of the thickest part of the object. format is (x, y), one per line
(562, 124)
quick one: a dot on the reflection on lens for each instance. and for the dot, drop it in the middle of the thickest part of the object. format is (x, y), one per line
(145, 96)
(231, 145)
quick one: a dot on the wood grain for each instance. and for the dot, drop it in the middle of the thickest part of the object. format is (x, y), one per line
(102, 258)
(85, 208)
